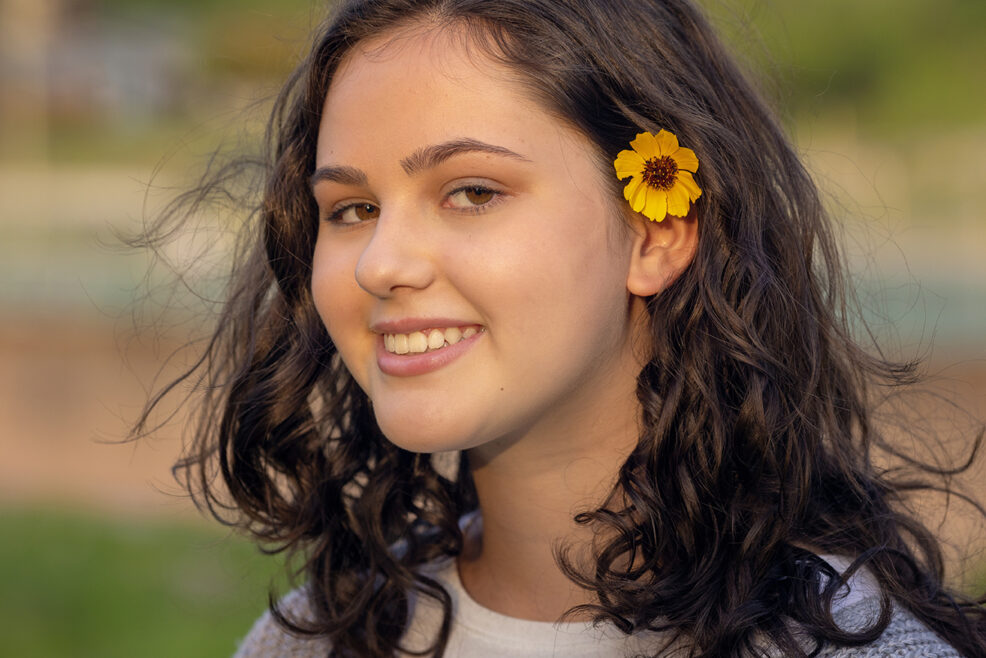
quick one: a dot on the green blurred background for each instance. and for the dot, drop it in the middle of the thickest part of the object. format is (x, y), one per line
(107, 108)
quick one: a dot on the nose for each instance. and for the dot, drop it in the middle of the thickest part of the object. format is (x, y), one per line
(396, 258)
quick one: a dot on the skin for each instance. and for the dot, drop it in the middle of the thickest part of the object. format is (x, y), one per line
(544, 398)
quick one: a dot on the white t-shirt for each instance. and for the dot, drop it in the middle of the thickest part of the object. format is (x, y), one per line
(479, 632)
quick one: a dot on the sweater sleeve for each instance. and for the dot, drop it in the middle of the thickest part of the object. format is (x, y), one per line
(267, 638)
(904, 637)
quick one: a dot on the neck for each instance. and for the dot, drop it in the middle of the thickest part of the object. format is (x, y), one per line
(529, 491)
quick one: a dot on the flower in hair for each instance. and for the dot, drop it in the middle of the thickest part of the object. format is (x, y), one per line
(662, 182)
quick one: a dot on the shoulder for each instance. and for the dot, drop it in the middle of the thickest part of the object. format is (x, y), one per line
(904, 637)
(857, 607)
(267, 638)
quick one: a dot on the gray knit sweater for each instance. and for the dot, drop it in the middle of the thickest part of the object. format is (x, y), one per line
(481, 633)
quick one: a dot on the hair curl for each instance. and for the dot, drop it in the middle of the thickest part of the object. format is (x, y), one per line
(756, 396)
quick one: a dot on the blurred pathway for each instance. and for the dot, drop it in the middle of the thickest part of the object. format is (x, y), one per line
(66, 401)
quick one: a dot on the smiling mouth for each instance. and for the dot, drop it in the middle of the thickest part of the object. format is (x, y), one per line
(429, 340)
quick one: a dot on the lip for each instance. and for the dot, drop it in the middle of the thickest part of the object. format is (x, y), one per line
(410, 365)
(410, 325)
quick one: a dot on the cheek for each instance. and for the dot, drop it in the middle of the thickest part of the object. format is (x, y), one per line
(333, 282)
(560, 278)
(577, 266)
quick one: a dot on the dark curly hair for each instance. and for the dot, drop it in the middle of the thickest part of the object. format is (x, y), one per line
(756, 396)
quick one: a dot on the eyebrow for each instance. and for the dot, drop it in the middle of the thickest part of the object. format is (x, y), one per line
(432, 156)
(338, 174)
(424, 158)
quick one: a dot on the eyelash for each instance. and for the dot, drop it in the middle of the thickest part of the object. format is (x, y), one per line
(335, 217)
(479, 189)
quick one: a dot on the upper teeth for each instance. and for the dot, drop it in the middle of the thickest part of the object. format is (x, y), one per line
(424, 341)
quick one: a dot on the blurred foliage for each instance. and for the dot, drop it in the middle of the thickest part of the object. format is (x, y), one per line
(898, 63)
(207, 6)
(252, 38)
(891, 65)
(233, 60)
(78, 584)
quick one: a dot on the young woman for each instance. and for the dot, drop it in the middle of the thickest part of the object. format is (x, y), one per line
(540, 348)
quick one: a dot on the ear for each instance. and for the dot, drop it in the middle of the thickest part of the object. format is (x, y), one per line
(661, 251)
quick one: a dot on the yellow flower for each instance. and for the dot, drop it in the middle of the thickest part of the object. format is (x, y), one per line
(662, 182)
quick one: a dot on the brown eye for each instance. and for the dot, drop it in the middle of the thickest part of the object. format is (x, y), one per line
(366, 211)
(472, 197)
(354, 213)
(478, 195)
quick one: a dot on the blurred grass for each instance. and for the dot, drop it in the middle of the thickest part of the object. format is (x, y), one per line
(76, 583)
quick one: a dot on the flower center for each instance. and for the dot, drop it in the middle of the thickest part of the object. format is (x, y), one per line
(661, 173)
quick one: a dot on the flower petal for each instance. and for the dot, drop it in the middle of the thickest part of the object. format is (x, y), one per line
(657, 205)
(686, 159)
(639, 197)
(686, 181)
(646, 145)
(628, 163)
(631, 187)
(667, 143)
(678, 201)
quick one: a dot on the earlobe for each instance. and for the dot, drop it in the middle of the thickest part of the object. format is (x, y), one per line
(661, 252)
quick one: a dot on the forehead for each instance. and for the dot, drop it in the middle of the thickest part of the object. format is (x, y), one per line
(425, 84)
(442, 47)
(449, 52)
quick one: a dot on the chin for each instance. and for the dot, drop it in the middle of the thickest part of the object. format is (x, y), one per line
(423, 437)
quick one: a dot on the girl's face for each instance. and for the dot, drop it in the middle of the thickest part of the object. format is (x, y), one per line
(469, 265)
